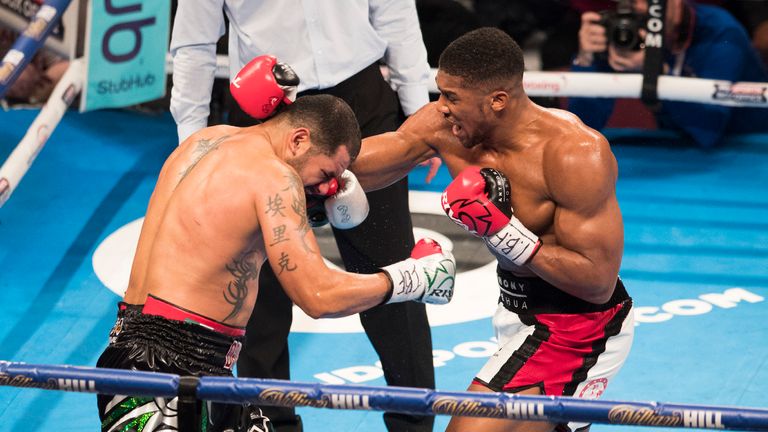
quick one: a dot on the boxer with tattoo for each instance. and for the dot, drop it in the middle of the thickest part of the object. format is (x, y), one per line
(226, 200)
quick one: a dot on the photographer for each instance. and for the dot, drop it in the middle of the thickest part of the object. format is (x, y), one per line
(700, 41)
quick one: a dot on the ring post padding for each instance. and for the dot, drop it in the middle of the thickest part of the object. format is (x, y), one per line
(187, 404)
(25, 152)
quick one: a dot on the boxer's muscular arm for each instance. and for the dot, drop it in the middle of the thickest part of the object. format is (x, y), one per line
(585, 256)
(295, 257)
(388, 157)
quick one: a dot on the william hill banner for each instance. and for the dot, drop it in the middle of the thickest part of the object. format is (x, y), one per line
(126, 43)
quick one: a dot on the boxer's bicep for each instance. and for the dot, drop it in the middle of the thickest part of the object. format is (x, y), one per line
(290, 245)
(587, 217)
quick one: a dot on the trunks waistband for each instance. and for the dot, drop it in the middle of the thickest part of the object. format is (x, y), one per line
(162, 342)
(129, 307)
(532, 295)
(159, 307)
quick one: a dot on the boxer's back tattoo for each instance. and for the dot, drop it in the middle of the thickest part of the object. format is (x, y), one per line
(202, 148)
(244, 270)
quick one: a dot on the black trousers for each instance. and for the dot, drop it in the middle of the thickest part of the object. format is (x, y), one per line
(399, 332)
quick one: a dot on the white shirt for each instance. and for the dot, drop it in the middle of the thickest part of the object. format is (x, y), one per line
(324, 41)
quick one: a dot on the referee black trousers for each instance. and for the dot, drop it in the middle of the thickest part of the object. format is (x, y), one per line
(399, 332)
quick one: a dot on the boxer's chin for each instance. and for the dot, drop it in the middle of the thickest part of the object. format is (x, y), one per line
(461, 134)
(467, 141)
(456, 130)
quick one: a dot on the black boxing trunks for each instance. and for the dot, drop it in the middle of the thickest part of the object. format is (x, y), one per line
(125, 311)
(559, 343)
(165, 338)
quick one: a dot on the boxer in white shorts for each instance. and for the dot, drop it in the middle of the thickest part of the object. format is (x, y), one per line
(539, 326)
(539, 189)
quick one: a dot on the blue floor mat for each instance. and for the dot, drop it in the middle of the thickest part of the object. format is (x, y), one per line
(696, 264)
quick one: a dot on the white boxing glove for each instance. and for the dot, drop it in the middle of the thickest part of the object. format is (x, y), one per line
(348, 207)
(427, 276)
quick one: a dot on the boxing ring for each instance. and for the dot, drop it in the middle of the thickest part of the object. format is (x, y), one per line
(696, 262)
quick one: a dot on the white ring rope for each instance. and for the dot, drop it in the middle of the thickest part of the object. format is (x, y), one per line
(610, 85)
(672, 88)
(17, 164)
(557, 84)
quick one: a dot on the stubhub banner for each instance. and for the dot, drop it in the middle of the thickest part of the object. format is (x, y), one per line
(126, 43)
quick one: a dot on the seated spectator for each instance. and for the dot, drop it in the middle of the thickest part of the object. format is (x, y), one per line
(38, 79)
(754, 16)
(702, 41)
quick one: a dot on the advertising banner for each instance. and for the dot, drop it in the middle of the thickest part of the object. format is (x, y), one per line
(125, 48)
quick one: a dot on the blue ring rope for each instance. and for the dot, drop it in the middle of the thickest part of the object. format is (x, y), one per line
(393, 399)
(28, 43)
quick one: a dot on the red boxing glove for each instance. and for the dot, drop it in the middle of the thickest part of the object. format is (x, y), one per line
(316, 204)
(262, 85)
(333, 187)
(479, 200)
(426, 247)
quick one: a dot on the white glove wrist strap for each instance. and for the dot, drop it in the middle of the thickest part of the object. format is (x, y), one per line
(515, 242)
(408, 280)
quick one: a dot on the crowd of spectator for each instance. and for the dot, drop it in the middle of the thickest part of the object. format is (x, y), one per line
(724, 40)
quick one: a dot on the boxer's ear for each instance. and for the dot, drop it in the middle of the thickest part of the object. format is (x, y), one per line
(300, 141)
(499, 100)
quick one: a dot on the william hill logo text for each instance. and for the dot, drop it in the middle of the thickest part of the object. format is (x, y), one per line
(626, 414)
(349, 401)
(510, 410)
(290, 398)
(298, 398)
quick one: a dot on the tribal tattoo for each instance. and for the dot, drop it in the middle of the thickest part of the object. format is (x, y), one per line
(244, 270)
(204, 146)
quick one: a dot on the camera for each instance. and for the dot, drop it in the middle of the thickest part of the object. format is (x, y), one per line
(622, 26)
